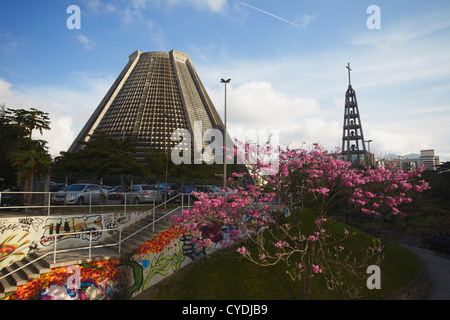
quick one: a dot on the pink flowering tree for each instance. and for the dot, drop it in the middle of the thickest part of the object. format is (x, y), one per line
(303, 179)
(225, 212)
(385, 195)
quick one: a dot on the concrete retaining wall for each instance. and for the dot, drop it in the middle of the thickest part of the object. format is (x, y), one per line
(121, 278)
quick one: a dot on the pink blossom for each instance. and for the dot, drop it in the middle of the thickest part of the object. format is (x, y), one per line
(367, 211)
(361, 202)
(316, 269)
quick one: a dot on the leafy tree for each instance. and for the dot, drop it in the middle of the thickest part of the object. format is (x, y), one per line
(429, 216)
(444, 166)
(102, 154)
(28, 120)
(155, 166)
(31, 157)
(23, 156)
(9, 136)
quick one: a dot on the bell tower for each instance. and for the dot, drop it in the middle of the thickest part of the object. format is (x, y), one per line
(353, 146)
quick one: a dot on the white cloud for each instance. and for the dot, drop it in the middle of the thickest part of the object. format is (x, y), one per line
(5, 91)
(257, 105)
(86, 42)
(404, 31)
(110, 8)
(386, 140)
(97, 7)
(305, 20)
(135, 8)
(68, 108)
(213, 5)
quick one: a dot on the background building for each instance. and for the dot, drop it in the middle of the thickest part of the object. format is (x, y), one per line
(427, 159)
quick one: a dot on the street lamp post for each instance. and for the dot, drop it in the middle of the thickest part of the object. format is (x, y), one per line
(225, 137)
(368, 145)
(166, 116)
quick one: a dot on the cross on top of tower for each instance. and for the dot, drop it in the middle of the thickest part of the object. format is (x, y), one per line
(349, 69)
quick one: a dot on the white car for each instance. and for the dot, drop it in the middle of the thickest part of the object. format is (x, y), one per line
(140, 193)
(81, 193)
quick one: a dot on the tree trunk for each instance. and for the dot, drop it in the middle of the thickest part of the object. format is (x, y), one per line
(306, 294)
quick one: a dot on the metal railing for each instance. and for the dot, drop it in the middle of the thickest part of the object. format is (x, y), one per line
(58, 200)
(119, 242)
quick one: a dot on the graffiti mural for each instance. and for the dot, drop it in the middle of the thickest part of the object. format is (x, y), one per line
(88, 290)
(27, 224)
(121, 278)
(98, 281)
(115, 220)
(194, 249)
(161, 256)
(8, 249)
(65, 227)
(17, 238)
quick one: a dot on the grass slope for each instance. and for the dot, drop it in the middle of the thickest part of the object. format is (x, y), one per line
(226, 275)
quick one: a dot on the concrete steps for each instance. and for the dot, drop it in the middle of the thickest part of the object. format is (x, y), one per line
(23, 276)
(79, 256)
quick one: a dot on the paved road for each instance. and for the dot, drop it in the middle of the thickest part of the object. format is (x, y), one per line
(439, 270)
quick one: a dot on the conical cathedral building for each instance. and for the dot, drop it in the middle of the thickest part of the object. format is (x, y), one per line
(155, 94)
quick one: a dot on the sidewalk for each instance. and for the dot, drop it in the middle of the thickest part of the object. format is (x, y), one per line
(439, 271)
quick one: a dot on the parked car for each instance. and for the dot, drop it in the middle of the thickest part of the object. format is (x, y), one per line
(160, 193)
(54, 187)
(210, 189)
(207, 189)
(116, 193)
(81, 193)
(13, 199)
(185, 190)
(171, 187)
(139, 194)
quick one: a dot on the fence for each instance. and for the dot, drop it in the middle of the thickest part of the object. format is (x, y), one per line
(46, 202)
(68, 178)
(43, 201)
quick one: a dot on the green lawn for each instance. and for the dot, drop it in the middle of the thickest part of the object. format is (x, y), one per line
(226, 275)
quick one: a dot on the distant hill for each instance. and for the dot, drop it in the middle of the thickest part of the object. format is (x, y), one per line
(396, 156)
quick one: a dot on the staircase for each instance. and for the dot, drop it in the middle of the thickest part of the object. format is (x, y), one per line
(43, 261)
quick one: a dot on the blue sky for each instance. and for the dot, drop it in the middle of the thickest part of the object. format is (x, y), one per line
(287, 65)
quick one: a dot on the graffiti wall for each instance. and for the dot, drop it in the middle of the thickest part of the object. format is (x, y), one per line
(97, 281)
(18, 238)
(111, 279)
(21, 236)
(121, 278)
